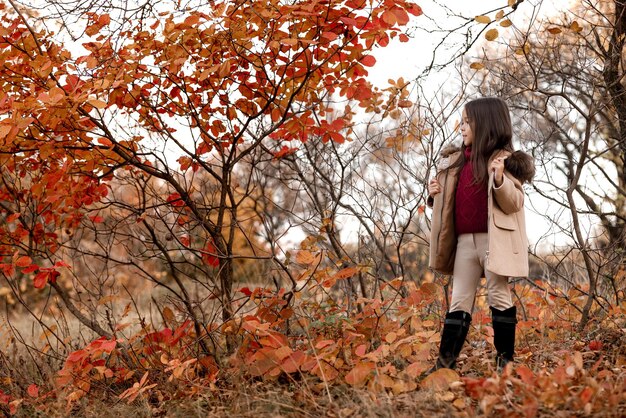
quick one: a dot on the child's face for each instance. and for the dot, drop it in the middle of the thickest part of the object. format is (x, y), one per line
(466, 130)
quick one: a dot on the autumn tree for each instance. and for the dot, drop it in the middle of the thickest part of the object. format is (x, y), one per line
(164, 99)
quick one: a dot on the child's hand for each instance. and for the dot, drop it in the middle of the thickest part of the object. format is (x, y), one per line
(497, 166)
(434, 187)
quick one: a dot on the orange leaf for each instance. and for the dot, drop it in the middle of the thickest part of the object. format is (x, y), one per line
(346, 272)
(104, 19)
(293, 362)
(360, 350)
(440, 380)
(331, 36)
(525, 374)
(414, 370)
(389, 18)
(324, 343)
(98, 104)
(359, 374)
(306, 257)
(402, 17)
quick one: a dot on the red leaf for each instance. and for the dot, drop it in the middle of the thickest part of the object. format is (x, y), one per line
(52, 276)
(23, 261)
(33, 390)
(30, 269)
(40, 280)
(180, 332)
(284, 151)
(175, 200)
(209, 256)
(415, 10)
(595, 345)
(368, 60)
(586, 395)
(13, 217)
(4, 398)
(108, 345)
(76, 356)
(246, 291)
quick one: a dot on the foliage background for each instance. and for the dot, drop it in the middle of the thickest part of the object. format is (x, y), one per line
(210, 209)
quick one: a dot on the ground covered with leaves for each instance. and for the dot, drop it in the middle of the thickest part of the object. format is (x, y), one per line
(309, 358)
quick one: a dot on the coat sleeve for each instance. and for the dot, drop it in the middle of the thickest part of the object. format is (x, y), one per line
(509, 196)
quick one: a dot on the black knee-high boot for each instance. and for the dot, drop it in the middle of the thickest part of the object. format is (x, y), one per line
(453, 335)
(504, 334)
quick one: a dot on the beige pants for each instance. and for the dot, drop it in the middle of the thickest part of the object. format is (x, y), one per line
(469, 268)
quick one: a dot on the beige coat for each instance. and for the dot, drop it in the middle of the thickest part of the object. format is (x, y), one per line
(508, 243)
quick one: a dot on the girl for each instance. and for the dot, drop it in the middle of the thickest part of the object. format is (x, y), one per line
(478, 228)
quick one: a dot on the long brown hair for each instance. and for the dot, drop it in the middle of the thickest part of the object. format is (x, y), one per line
(490, 121)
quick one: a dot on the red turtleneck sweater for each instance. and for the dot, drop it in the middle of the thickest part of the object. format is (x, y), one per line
(470, 209)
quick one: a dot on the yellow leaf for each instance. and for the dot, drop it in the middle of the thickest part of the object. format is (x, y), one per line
(400, 386)
(578, 360)
(506, 23)
(476, 66)
(523, 50)
(500, 15)
(168, 314)
(575, 26)
(554, 31)
(459, 403)
(483, 19)
(391, 337)
(48, 332)
(491, 34)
